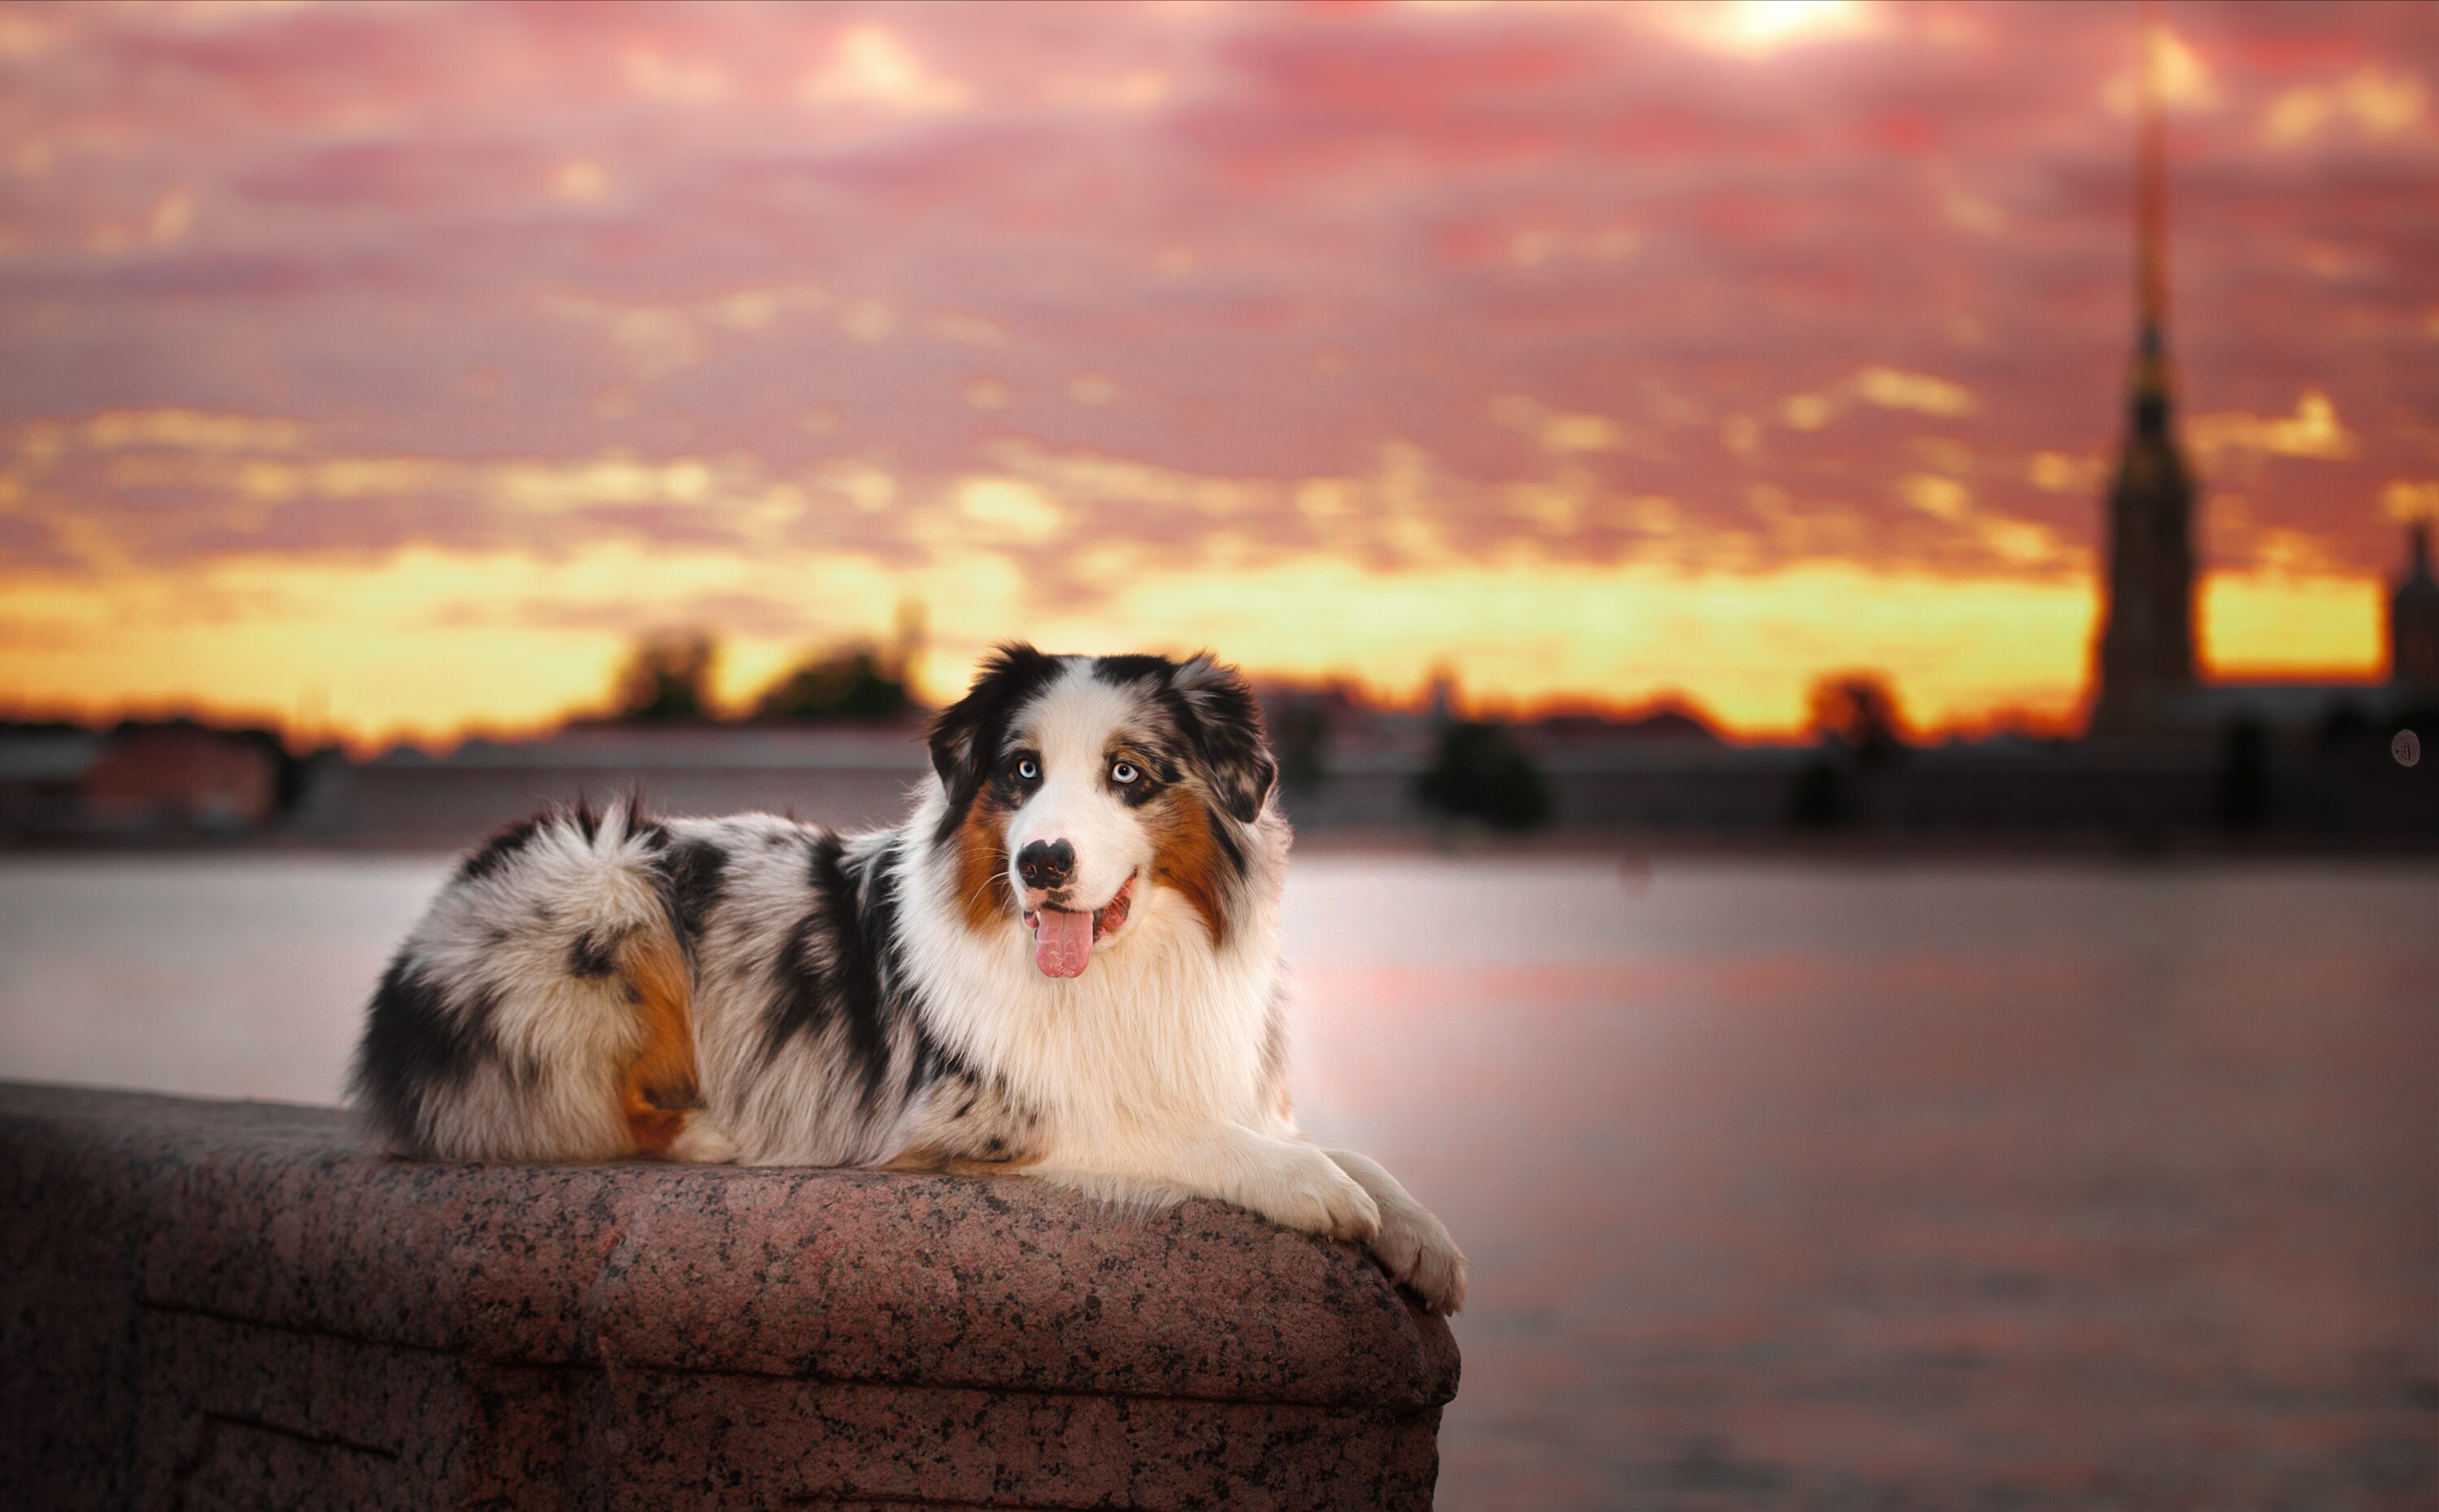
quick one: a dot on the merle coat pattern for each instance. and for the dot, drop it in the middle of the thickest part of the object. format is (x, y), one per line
(1064, 965)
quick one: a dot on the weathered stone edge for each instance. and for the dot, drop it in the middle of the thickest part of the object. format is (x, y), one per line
(280, 1215)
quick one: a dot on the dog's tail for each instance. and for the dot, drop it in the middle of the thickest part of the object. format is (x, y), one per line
(543, 1009)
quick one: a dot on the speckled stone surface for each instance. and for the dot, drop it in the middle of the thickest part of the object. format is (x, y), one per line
(239, 1305)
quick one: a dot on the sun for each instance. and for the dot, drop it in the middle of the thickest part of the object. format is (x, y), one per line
(1759, 27)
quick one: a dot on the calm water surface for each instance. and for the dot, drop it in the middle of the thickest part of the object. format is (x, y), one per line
(1786, 1185)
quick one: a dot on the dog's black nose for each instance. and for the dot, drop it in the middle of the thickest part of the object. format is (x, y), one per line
(1046, 863)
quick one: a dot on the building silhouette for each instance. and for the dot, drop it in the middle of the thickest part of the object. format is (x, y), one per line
(2145, 663)
(2414, 621)
(2145, 684)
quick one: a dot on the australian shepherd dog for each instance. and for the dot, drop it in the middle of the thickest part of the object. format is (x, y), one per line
(1064, 966)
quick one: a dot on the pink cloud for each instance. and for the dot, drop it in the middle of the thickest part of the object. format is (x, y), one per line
(1285, 238)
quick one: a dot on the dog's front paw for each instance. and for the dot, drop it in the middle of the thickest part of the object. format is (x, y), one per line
(1308, 1192)
(1414, 1248)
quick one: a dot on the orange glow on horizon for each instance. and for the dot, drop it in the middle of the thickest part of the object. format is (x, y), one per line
(431, 648)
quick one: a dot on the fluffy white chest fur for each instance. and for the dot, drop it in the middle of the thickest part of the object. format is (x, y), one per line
(1162, 1029)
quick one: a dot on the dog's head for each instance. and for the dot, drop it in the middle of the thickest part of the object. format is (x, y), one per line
(1075, 783)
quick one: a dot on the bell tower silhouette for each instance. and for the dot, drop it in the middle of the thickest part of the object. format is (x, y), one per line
(2146, 640)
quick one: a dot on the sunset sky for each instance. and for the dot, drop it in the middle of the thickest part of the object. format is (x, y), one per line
(389, 367)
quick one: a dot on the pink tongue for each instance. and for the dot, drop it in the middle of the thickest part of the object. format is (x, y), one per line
(1063, 942)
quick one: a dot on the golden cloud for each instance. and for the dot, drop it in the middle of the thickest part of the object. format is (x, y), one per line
(871, 67)
(2373, 100)
(2406, 500)
(1892, 389)
(2313, 432)
(191, 431)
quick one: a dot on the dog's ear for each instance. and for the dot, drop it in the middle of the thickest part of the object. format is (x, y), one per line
(1225, 721)
(964, 736)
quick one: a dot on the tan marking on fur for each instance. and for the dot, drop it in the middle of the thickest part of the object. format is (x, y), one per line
(937, 1162)
(1186, 856)
(659, 1086)
(982, 867)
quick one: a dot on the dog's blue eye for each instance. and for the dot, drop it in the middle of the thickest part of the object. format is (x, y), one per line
(1027, 770)
(1125, 771)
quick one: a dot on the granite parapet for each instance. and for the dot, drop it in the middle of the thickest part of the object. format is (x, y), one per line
(245, 1305)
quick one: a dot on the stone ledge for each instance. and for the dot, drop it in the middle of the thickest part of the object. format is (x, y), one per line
(239, 1304)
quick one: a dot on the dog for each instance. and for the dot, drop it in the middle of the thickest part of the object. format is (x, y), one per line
(1063, 966)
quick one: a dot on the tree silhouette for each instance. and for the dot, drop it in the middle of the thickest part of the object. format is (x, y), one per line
(1481, 775)
(1856, 716)
(1859, 710)
(849, 683)
(665, 679)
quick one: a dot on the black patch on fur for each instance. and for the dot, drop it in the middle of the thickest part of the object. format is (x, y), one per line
(497, 851)
(1233, 852)
(1218, 718)
(849, 979)
(589, 957)
(1117, 671)
(641, 825)
(1005, 781)
(694, 872)
(586, 819)
(414, 1043)
(966, 736)
(1158, 763)
(1219, 713)
(934, 1062)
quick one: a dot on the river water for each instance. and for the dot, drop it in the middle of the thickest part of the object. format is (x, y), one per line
(1786, 1185)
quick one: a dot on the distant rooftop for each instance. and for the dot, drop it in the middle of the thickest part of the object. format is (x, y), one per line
(728, 746)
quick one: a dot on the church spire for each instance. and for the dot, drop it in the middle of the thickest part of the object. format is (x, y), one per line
(2151, 223)
(2146, 641)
